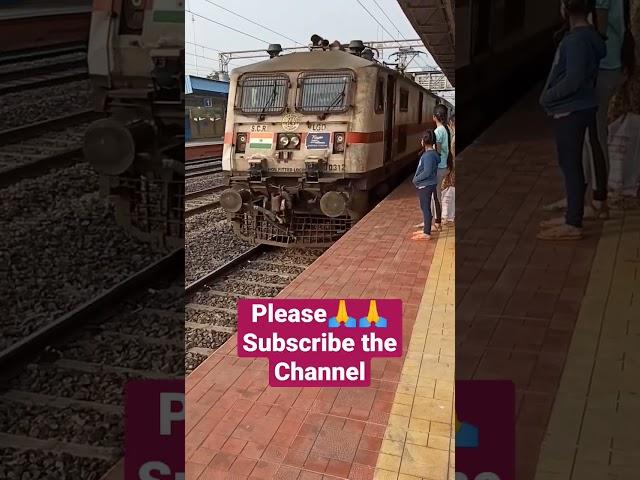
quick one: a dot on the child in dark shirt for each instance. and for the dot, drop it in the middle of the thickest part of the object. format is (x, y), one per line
(569, 97)
(425, 180)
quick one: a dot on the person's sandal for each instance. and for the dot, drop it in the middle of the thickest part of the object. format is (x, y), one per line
(601, 212)
(420, 236)
(438, 226)
(560, 233)
(558, 206)
(552, 222)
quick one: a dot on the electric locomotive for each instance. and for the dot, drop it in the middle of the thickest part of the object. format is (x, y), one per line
(312, 137)
(136, 64)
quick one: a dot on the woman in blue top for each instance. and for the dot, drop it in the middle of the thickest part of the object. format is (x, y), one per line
(611, 19)
(569, 97)
(426, 179)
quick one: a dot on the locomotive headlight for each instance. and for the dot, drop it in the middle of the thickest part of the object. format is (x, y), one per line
(338, 142)
(109, 147)
(232, 200)
(241, 142)
(288, 141)
(333, 204)
(133, 14)
(283, 141)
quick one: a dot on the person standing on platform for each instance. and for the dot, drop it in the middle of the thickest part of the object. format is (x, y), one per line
(442, 147)
(452, 131)
(449, 183)
(569, 96)
(425, 180)
(611, 18)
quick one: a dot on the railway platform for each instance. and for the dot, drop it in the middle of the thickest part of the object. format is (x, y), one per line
(399, 428)
(196, 150)
(34, 24)
(40, 8)
(559, 319)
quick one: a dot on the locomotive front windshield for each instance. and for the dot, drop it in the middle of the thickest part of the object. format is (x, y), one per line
(263, 94)
(324, 92)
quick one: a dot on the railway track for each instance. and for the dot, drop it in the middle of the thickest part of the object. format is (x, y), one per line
(260, 271)
(63, 384)
(203, 166)
(202, 200)
(32, 150)
(34, 69)
(205, 181)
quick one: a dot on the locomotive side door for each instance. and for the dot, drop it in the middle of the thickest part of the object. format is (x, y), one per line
(390, 107)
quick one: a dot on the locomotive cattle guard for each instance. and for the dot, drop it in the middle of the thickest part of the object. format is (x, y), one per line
(312, 137)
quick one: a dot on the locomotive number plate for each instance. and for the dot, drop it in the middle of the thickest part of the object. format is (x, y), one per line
(258, 128)
(318, 127)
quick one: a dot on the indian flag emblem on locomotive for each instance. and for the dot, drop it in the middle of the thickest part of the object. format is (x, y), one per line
(261, 140)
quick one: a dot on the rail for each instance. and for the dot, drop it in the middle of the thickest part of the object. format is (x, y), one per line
(225, 268)
(58, 156)
(30, 345)
(203, 166)
(202, 200)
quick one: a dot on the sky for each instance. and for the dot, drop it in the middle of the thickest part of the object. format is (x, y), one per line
(210, 29)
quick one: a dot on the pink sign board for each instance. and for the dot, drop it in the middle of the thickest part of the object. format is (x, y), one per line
(154, 430)
(319, 343)
(485, 430)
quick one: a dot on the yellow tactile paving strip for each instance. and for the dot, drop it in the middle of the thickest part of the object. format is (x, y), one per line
(418, 442)
(594, 430)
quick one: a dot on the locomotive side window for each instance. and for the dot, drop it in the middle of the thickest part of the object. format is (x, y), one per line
(323, 92)
(263, 94)
(132, 17)
(404, 100)
(379, 106)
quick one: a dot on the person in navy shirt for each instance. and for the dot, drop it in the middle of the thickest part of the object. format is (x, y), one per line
(569, 97)
(426, 180)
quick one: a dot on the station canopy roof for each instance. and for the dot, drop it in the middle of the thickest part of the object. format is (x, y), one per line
(207, 85)
(434, 22)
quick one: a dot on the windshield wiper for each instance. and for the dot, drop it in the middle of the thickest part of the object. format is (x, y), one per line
(271, 100)
(336, 100)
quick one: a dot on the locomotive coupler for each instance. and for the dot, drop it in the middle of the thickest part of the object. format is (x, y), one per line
(256, 169)
(313, 169)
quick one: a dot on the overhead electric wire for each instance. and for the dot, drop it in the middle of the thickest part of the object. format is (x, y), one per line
(390, 21)
(208, 48)
(201, 56)
(422, 62)
(376, 20)
(255, 23)
(203, 46)
(227, 26)
(198, 55)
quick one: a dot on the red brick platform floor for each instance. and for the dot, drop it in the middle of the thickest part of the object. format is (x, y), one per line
(240, 428)
(517, 298)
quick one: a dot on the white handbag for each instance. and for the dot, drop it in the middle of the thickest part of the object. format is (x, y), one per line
(449, 204)
(624, 154)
